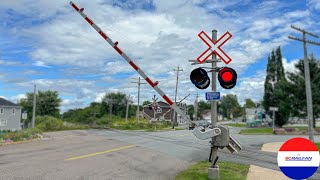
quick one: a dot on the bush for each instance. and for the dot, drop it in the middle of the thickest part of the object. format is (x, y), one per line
(143, 124)
(49, 123)
(20, 135)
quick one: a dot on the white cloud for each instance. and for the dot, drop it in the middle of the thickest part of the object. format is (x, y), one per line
(17, 98)
(40, 64)
(250, 87)
(99, 97)
(289, 66)
(158, 41)
(314, 4)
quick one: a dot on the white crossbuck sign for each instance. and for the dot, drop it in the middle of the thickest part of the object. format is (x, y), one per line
(214, 47)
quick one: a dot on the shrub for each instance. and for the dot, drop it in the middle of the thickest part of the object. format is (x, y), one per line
(49, 123)
(23, 135)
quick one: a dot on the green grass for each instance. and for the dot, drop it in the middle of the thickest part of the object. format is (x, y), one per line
(142, 125)
(228, 171)
(256, 131)
(164, 129)
(236, 125)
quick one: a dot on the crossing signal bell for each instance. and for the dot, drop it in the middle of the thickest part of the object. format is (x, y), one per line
(227, 77)
(199, 77)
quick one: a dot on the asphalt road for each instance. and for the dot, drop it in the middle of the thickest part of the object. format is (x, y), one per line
(185, 146)
(81, 155)
(114, 154)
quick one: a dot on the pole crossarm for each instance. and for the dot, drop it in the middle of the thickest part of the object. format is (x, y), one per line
(304, 31)
(307, 41)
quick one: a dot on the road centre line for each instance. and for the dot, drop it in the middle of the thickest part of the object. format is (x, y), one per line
(98, 153)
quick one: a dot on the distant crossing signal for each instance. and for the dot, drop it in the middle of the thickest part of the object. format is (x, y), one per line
(227, 77)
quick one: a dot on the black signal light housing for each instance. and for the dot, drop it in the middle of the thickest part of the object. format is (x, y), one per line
(199, 77)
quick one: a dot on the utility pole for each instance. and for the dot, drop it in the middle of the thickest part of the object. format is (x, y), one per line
(110, 103)
(127, 109)
(175, 96)
(138, 111)
(307, 76)
(196, 107)
(34, 106)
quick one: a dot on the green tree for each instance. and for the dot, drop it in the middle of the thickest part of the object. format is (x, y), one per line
(48, 103)
(146, 103)
(190, 111)
(298, 92)
(275, 88)
(202, 105)
(249, 103)
(119, 102)
(229, 105)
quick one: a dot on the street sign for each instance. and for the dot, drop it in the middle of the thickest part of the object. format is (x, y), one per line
(273, 108)
(214, 47)
(24, 115)
(210, 96)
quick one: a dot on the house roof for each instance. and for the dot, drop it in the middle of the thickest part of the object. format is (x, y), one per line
(4, 102)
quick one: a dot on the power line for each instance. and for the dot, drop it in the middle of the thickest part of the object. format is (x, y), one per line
(307, 75)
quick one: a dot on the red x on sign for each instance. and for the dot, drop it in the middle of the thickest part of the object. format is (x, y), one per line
(214, 47)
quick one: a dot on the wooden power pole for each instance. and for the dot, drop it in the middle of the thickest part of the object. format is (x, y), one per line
(138, 111)
(307, 76)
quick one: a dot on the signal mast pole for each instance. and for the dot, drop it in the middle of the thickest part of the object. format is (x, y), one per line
(214, 170)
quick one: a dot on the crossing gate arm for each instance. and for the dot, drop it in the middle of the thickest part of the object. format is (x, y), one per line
(198, 132)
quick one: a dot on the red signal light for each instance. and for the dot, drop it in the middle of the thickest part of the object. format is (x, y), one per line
(227, 77)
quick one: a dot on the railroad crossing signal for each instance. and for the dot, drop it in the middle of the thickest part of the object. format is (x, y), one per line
(227, 78)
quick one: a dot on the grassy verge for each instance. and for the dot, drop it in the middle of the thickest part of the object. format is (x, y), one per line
(236, 125)
(142, 125)
(256, 131)
(164, 129)
(228, 171)
(49, 123)
(23, 135)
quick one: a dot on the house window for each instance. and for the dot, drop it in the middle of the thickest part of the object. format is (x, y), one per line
(3, 122)
(1, 111)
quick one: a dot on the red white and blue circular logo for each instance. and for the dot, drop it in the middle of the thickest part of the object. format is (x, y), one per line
(298, 158)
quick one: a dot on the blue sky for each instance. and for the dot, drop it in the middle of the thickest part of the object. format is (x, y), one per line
(49, 44)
